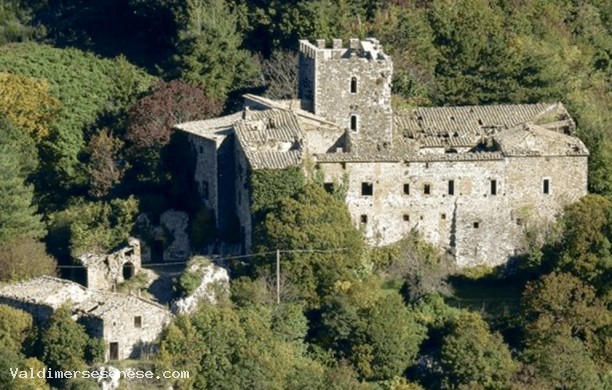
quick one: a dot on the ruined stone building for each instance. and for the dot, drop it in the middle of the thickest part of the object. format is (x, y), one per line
(129, 325)
(469, 179)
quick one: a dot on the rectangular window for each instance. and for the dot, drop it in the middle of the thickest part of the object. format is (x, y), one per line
(367, 189)
(353, 84)
(427, 189)
(363, 219)
(204, 189)
(546, 186)
(354, 122)
(451, 187)
(406, 217)
(476, 225)
(493, 187)
(138, 322)
(329, 187)
(443, 216)
(406, 189)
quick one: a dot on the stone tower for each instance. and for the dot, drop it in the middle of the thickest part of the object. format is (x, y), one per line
(349, 86)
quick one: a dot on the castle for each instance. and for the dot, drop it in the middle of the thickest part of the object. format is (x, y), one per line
(469, 179)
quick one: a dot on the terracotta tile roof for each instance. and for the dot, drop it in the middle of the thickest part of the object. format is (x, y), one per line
(210, 128)
(446, 125)
(534, 140)
(54, 292)
(270, 139)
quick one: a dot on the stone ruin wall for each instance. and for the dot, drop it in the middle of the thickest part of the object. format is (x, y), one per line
(105, 271)
(478, 227)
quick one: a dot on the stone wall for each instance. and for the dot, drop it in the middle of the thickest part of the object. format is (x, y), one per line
(175, 226)
(243, 201)
(206, 171)
(134, 324)
(106, 271)
(478, 226)
(347, 82)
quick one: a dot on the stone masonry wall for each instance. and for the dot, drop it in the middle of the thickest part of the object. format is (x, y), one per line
(133, 336)
(206, 171)
(331, 84)
(243, 201)
(476, 225)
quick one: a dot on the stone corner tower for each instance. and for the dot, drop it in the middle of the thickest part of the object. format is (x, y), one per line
(350, 86)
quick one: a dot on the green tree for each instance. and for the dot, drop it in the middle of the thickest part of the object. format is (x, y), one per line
(64, 342)
(318, 224)
(91, 227)
(586, 243)
(208, 45)
(27, 103)
(372, 329)
(562, 362)
(25, 258)
(559, 304)
(235, 348)
(473, 357)
(16, 22)
(104, 166)
(18, 218)
(88, 89)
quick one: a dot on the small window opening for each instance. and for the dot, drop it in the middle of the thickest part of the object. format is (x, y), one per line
(493, 187)
(427, 189)
(329, 187)
(363, 219)
(354, 122)
(343, 165)
(519, 221)
(205, 193)
(476, 225)
(138, 322)
(406, 189)
(451, 187)
(546, 186)
(367, 189)
(353, 84)
(201, 149)
(443, 216)
(406, 217)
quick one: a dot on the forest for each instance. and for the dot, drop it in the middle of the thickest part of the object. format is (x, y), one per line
(90, 91)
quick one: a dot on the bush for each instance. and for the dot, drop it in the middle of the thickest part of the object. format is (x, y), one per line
(25, 259)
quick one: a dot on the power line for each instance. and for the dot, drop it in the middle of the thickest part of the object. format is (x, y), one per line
(232, 257)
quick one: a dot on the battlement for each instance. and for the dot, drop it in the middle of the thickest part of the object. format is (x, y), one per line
(369, 48)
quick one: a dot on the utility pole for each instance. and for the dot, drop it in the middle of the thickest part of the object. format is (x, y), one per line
(278, 276)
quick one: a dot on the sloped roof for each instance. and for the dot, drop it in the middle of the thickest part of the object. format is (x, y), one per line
(53, 292)
(534, 140)
(210, 128)
(45, 290)
(462, 126)
(270, 139)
